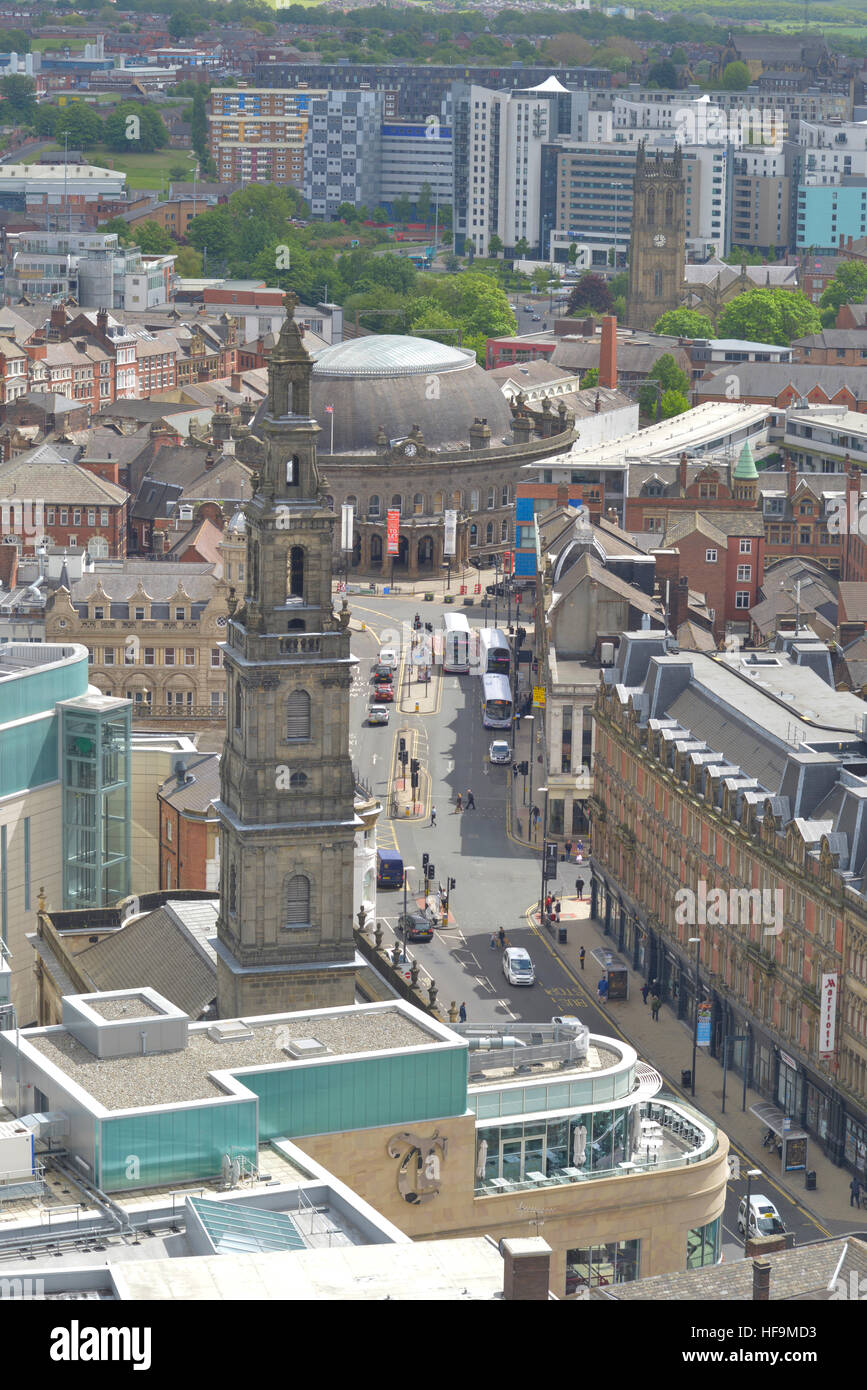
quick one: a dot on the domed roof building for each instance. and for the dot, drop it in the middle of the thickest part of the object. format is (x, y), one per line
(417, 427)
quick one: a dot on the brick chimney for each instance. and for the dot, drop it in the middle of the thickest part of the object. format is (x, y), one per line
(527, 1269)
(237, 383)
(480, 433)
(608, 353)
(791, 476)
(57, 318)
(761, 1281)
(102, 321)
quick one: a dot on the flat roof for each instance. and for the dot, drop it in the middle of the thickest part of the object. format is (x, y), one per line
(166, 1078)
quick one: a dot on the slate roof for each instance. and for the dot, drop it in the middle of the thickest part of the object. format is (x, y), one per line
(808, 1272)
(58, 481)
(155, 499)
(198, 794)
(771, 378)
(51, 402)
(720, 274)
(718, 526)
(105, 442)
(160, 581)
(853, 601)
(833, 338)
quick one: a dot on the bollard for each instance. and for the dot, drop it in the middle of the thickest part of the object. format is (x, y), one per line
(453, 1012)
(416, 706)
(406, 810)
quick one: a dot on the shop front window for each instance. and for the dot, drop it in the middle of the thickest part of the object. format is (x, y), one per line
(856, 1145)
(702, 1245)
(591, 1266)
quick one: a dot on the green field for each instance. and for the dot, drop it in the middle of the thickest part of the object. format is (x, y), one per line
(145, 171)
(59, 41)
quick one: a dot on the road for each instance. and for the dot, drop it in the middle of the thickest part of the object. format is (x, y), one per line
(497, 878)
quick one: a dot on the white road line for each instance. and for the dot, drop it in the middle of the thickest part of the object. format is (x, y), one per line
(484, 983)
(504, 1004)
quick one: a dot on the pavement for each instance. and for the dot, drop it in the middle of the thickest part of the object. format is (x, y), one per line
(667, 1044)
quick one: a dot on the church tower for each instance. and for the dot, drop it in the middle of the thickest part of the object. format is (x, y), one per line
(287, 819)
(658, 240)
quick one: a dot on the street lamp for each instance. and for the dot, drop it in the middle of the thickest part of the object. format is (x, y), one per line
(529, 719)
(544, 857)
(696, 941)
(751, 1173)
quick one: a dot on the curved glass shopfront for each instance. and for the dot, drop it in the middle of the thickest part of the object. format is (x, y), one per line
(568, 1145)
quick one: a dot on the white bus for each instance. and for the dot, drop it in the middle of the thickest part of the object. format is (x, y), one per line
(495, 655)
(456, 647)
(496, 702)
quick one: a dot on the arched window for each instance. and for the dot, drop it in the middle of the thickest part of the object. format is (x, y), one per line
(296, 571)
(397, 503)
(657, 284)
(233, 890)
(438, 503)
(651, 206)
(297, 901)
(293, 471)
(97, 548)
(504, 529)
(237, 704)
(352, 501)
(474, 535)
(418, 503)
(489, 533)
(492, 498)
(376, 551)
(298, 717)
(297, 780)
(504, 497)
(254, 568)
(373, 506)
(474, 500)
(457, 499)
(669, 207)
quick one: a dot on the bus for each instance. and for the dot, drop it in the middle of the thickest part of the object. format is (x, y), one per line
(496, 702)
(456, 647)
(495, 656)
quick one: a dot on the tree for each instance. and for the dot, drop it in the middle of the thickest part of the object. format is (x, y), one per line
(122, 230)
(572, 253)
(673, 403)
(183, 26)
(566, 50)
(178, 172)
(736, 77)
(590, 378)
(769, 316)
(380, 217)
(540, 279)
(522, 247)
(849, 286)
(154, 240)
(81, 124)
(663, 74)
(684, 323)
(188, 262)
(402, 208)
(590, 293)
(19, 100)
(346, 212)
(199, 124)
(477, 302)
(135, 129)
(431, 320)
(495, 245)
(666, 371)
(423, 203)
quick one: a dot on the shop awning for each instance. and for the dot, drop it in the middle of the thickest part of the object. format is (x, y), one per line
(773, 1117)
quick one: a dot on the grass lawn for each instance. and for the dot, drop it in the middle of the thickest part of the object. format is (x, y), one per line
(145, 171)
(59, 41)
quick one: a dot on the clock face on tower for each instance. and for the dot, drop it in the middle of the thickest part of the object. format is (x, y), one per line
(409, 450)
(659, 239)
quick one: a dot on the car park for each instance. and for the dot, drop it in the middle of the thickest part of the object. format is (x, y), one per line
(517, 966)
(500, 752)
(764, 1219)
(377, 714)
(416, 926)
(384, 694)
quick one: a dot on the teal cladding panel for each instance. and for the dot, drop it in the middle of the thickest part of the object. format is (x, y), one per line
(28, 755)
(360, 1094)
(39, 690)
(173, 1146)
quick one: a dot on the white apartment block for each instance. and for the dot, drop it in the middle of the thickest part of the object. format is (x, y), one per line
(833, 151)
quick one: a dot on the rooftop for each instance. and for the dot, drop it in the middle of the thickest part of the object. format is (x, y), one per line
(389, 354)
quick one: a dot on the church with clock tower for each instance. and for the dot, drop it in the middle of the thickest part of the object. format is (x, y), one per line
(287, 819)
(658, 241)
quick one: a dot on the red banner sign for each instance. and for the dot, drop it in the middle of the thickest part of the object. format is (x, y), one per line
(393, 528)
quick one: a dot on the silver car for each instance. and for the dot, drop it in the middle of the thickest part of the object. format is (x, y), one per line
(500, 752)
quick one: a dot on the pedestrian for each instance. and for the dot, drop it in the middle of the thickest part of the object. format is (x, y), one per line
(581, 954)
(548, 901)
(645, 990)
(433, 815)
(557, 908)
(501, 936)
(515, 771)
(471, 801)
(855, 1192)
(579, 888)
(462, 1014)
(568, 850)
(655, 1004)
(493, 941)
(459, 804)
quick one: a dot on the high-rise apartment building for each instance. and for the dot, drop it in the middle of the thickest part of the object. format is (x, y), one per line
(342, 151)
(257, 134)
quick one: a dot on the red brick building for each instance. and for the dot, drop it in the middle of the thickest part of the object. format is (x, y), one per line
(722, 555)
(189, 826)
(65, 503)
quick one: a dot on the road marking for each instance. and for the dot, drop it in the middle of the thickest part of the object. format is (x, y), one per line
(484, 983)
(504, 1005)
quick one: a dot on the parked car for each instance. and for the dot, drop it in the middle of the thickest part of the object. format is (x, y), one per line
(377, 714)
(382, 675)
(528, 308)
(416, 926)
(517, 966)
(388, 657)
(765, 1220)
(537, 318)
(383, 694)
(500, 752)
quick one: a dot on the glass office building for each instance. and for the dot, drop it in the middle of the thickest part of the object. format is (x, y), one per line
(95, 739)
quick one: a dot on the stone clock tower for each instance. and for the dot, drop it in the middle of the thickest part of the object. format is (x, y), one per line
(658, 240)
(287, 819)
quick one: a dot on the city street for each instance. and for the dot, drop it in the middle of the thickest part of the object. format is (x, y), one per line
(497, 877)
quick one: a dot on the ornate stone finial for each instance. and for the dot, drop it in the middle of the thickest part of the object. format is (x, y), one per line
(41, 900)
(432, 992)
(413, 974)
(377, 935)
(232, 601)
(290, 303)
(344, 616)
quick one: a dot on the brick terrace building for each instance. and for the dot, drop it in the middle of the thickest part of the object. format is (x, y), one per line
(730, 773)
(189, 825)
(78, 509)
(722, 556)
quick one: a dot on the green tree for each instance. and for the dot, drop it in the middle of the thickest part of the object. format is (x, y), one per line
(590, 377)
(572, 253)
(154, 240)
(212, 229)
(188, 262)
(380, 217)
(671, 379)
(663, 74)
(199, 124)
(849, 286)
(423, 203)
(184, 26)
(133, 128)
(522, 248)
(769, 316)
(673, 403)
(590, 293)
(45, 119)
(619, 284)
(81, 124)
(477, 302)
(431, 320)
(178, 172)
(684, 323)
(19, 100)
(346, 212)
(540, 278)
(736, 77)
(122, 230)
(495, 245)
(402, 208)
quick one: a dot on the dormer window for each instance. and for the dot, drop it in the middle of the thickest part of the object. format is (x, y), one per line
(99, 612)
(138, 614)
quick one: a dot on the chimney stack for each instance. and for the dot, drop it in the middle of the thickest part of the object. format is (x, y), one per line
(761, 1281)
(527, 1269)
(792, 476)
(102, 321)
(608, 353)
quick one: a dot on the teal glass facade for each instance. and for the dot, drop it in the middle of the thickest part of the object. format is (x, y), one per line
(28, 752)
(702, 1245)
(359, 1094)
(171, 1146)
(95, 755)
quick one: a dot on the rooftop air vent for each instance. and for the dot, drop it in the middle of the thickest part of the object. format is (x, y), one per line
(301, 1048)
(232, 1030)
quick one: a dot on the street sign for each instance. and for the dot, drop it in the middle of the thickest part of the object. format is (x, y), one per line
(539, 696)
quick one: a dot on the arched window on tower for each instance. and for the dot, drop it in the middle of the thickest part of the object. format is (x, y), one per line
(657, 284)
(233, 890)
(238, 705)
(296, 571)
(293, 471)
(651, 206)
(298, 717)
(254, 569)
(669, 207)
(296, 901)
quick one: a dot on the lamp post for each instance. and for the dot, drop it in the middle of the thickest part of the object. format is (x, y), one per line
(544, 858)
(530, 719)
(695, 941)
(751, 1174)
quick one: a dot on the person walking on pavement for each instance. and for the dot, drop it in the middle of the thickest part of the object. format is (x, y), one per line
(501, 937)
(579, 888)
(645, 990)
(581, 954)
(493, 941)
(462, 1014)
(459, 803)
(433, 815)
(514, 772)
(568, 850)
(471, 801)
(855, 1192)
(655, 1005)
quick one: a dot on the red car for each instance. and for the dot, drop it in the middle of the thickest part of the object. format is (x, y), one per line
(383, 694)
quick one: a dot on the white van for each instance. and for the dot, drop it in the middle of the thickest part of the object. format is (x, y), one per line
(388, 657)
(765, 1220)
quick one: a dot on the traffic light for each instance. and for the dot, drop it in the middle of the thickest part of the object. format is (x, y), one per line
(524, 768)
(431, 871)
(451, 884)
(414, 767)
(425, 859)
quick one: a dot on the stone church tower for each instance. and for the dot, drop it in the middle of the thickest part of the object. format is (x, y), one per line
(287, 819)
(658, 241)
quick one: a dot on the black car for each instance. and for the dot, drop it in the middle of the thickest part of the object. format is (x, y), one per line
(382, 675)
(416, 926)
